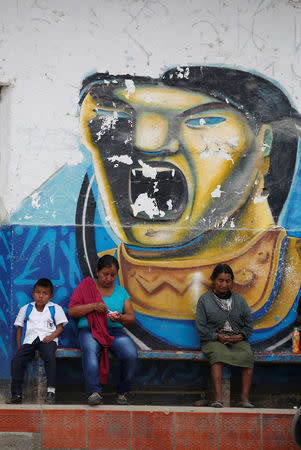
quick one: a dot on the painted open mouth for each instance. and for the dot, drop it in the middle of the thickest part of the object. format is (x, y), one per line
(157, 192)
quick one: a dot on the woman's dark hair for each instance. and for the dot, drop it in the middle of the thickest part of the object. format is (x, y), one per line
(221, 268)
(107, 261)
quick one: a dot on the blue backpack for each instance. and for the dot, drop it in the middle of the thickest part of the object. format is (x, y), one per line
(27, 314)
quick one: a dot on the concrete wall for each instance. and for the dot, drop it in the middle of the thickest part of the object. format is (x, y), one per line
(182, 153)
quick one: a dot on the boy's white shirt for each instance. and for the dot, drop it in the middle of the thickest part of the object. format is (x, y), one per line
(40, 324)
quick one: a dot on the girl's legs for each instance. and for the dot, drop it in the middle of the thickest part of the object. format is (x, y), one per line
(90, 349)
(246, 380)
(216, 376)
(125, 350)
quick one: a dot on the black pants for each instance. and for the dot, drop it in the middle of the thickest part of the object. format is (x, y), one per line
(25, 354)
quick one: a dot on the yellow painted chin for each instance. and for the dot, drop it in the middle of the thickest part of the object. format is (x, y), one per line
(157, 235)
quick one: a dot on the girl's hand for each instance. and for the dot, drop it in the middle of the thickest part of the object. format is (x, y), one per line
(114, 316)
(100, 307)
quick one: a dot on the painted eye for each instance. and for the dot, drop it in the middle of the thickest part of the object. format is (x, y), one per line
(200, 122)
(114, 113)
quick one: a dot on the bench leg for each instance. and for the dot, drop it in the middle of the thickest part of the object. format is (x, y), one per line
(35, 384)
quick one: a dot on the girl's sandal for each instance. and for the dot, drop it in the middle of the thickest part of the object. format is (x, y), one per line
(217, 404)
(246, 405)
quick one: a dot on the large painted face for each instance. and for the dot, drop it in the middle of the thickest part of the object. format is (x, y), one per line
(170, 163)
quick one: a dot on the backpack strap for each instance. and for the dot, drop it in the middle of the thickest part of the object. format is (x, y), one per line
(52, 313)
(27, 314)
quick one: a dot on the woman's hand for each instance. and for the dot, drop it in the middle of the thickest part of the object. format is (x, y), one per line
(224, 338)
(114, 316)
(229, 340)
(99, 307)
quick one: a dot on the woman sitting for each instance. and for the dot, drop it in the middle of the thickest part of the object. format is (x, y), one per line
(224, 323)
(102, 309)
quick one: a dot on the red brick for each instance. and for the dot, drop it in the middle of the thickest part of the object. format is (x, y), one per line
(277, 432)
(239, 430)
(197, 431)
(64, 429)
(109, 429)
(152, 430)
(20, 420)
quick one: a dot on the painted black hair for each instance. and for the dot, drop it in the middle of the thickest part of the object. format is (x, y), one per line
(221, 268)
(44, 282)
(107, 261)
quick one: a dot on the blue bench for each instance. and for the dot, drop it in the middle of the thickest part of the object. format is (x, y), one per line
(35, 385)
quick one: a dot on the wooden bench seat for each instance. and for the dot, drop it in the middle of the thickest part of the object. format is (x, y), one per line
(36, 380)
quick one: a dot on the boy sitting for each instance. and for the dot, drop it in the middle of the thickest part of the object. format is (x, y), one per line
(39, 324)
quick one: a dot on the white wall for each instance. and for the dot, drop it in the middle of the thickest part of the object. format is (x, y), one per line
(48, 46)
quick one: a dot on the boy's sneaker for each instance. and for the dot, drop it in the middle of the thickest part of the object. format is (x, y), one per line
(50, 398)
(14, 399)
(121, 399)
(95, 399)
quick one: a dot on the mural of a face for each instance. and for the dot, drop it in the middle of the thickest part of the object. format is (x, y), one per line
(165, 159)
(192, 169)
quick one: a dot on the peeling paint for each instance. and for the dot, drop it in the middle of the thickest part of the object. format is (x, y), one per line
(35, 200)
(108, 123)
(217, 192)
(148, 171)
(125, 159)
(130, 85)
(148, 205)
(169, 204)
(224, 221)
(260, 198)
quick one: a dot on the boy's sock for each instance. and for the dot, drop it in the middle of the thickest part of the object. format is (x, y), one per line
(51, 389)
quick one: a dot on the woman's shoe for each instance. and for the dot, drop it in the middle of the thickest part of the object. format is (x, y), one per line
(246, 404)
(217, 404)
(95, 399)
(121, 399)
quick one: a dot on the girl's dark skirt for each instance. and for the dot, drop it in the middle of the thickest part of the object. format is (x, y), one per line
(239, 354)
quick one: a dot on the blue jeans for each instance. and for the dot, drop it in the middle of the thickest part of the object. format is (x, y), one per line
(123, 347)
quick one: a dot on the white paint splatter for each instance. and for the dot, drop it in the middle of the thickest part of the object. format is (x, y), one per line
(180, 71)
(217, 192)
(148, 98)
(169, 204)
(148, 171)
(186, 73)
(217, 148)
(130, 85)
(155, 186)
(224, 221)
(260, 198)
(148, 205)
(108, 123)
(196, 286)
(35, 200)
(232, 141)
(125, 159)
